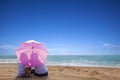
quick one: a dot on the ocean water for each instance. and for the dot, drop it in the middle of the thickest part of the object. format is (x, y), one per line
(75, 60)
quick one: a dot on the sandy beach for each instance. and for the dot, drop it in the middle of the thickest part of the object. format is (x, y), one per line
(9, 72)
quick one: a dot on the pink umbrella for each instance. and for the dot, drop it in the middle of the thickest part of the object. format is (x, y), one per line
(31, 53)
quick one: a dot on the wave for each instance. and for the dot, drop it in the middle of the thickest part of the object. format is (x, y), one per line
(8, 61)
(94, 61)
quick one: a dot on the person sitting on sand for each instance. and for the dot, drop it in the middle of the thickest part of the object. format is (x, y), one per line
(39, 71)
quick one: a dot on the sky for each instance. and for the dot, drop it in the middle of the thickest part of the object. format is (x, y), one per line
(65, 27)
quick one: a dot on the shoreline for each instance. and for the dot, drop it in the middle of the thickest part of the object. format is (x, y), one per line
(87, 66)
(75, 65)
(8, 71)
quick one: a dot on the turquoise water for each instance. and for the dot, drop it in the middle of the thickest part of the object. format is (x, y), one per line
(74, 60)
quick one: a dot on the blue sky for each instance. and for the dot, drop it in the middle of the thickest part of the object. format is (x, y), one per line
(66, 27)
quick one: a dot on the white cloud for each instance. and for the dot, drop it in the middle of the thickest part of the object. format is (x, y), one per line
(111, 46)
(62, 51)
(7, 49)
(105, 49)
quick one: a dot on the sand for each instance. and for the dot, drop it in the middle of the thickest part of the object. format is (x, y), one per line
(9, 72)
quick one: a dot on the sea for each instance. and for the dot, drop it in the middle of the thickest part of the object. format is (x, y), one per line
(74, 60)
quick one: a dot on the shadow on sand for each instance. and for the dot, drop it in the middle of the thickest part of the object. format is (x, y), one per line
(32, 78)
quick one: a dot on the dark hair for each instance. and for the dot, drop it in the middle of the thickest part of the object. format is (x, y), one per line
(27, 69)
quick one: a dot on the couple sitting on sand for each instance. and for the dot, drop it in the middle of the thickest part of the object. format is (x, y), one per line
(39, 71)
(31, 59)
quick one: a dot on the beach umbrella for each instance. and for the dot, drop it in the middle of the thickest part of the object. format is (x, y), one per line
(31, 53)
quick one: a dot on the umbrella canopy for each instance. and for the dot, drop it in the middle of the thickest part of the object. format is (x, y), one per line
(31, 53)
